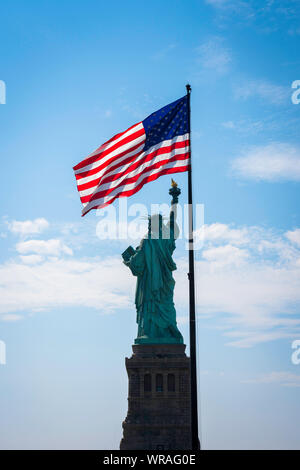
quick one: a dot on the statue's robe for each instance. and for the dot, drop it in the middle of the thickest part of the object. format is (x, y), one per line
(153, 265)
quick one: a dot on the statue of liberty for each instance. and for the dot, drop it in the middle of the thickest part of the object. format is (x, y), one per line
(152, 263)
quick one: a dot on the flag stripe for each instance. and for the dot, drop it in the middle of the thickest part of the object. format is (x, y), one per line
(145, 160)
(98, 204)
(125, 145)
(121, 168)
(117, 139)
(129, 155)
(134, 178)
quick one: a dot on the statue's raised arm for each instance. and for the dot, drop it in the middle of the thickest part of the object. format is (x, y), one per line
(172, 225)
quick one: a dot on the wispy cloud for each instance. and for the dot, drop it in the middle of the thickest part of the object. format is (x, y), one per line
(11, 317)
(141, 107)
(53, 247)
(224, 255)
(108, 113)
(294, 31)
(28, 227)
(96, 283)
(218, 3)
(247, 282)
(31, 259)
(294, 236)
(212, 55)
(271, 162)
(264, 90)
(250, 286)
(267, 16)
(222, 232)
(229, 125)
(230, 6)
(163, 52)
(286, 379)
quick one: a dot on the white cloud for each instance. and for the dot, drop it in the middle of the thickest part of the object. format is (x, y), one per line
(31, 259)
(252, 293)
(11, 317)
(213, 55)
(247, 283)
(284, 251)
(274, 94)
(271, 162)
(287, 379)
(250, 338)
(228, 125)
(222, 232)
(225, 255)
(251, 301)
(294, 236)
(53, 247)
(101, 284)
(28, 227)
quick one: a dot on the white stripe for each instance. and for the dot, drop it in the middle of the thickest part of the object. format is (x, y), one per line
(164, 143)
(115, 152)
(126, 187)
(154, 148)
(97, 175)
(115, 141)
(139, 169)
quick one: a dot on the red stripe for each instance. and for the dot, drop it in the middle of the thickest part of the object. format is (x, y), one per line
(132, 179)
(147, 179)
(107, 164)
(104, 152)
(134, 165)
(146, 158)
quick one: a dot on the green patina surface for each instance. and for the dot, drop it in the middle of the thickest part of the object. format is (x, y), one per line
(153, 264)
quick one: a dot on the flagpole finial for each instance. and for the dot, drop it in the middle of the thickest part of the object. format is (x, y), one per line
(188, 88)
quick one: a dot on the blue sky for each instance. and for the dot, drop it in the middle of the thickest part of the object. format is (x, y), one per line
(76, 73)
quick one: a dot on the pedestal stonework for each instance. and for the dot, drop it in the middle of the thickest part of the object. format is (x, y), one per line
(158, 415)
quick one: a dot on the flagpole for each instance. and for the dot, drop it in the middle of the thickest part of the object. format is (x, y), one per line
(191, 276)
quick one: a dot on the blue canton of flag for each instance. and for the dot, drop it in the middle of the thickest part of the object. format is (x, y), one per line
(166, 123)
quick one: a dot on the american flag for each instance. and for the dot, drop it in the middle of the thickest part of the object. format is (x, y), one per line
(158, 145)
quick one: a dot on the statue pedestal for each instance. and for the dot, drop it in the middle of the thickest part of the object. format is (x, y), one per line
(158, 415)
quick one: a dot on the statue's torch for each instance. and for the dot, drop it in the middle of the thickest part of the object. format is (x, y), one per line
(174, 191)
